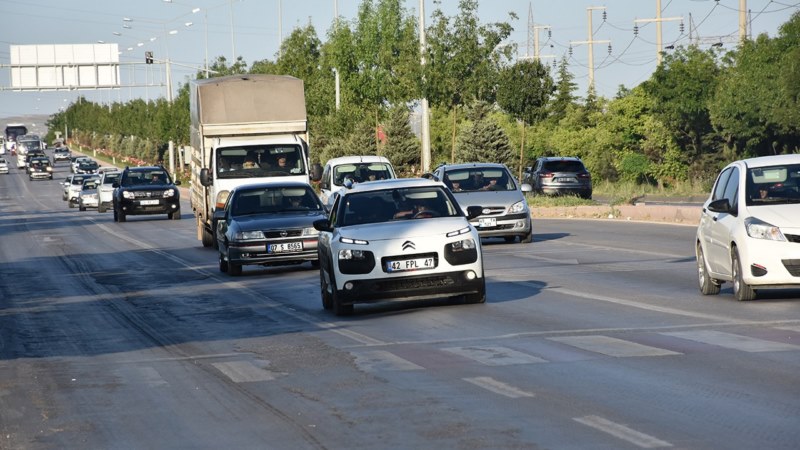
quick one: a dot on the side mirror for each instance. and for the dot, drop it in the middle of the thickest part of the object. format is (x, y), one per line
(721, 206)
(322, 225)
(526, 187)
(474, 211)
(205, 178)
(316, 172)
(177, 182)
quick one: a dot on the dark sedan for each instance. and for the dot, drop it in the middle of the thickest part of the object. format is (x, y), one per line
(268, 224)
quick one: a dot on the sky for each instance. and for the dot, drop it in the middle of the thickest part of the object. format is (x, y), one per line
(253, 29)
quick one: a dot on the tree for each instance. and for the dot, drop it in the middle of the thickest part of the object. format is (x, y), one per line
(402, 146)
(482, 139)
(563, 92)
(524, 90)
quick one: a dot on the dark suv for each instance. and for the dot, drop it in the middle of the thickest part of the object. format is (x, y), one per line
(146, 190)
(559, 175)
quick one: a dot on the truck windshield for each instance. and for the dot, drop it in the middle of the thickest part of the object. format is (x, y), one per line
(254, 161)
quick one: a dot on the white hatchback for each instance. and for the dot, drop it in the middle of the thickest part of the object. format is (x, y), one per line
(398, 239)
(749, 231)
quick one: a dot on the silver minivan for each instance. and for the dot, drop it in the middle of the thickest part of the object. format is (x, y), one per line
(505, 211)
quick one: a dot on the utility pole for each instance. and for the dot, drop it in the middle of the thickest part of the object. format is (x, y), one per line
(658, 19)
(590, 41)
(533, 47)
(742, 20)
(280, 30)
(425, 160)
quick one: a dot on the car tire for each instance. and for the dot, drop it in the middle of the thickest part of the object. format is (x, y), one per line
(121, 216)
(510, 239)
(708, 286)
(71, 204)
(315, 264)
(338, 308)
(64, 197)
(527, 239)
(81, 208)
(101, 208)
(175, 215)
(741, 290)
(478, 297)
(327, 301)
(223, 265)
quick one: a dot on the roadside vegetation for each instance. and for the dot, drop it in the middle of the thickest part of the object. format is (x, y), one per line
(700, 109)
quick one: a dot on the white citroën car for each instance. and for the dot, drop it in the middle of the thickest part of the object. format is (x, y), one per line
(398, 239)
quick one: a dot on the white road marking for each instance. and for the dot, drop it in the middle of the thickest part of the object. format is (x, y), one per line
(733, 341)
(622, 432)
(612, 346)
(244, 371)
(796, 328)
(498, 387)
(380, 361)
(494, 355)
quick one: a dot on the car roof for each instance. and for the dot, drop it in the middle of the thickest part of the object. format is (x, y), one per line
(144, 168)
(473, 165)
(773, 160)
(357, 159)
(273, 184)
(560, 158)
(397, 183)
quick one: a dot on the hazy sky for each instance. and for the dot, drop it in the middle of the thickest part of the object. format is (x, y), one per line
(257, 30)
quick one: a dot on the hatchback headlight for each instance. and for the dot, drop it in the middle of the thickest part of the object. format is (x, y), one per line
(758, 229)
(348, 254)
(517, 207)
(128, 194)
(248, 235)
(169, 193)
(465, 244)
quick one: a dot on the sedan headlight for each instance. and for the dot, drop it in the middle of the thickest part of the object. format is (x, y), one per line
(517, 207)
(248, 235)
(310, 232)
(169, 193)
(128, 194)
(758, 229)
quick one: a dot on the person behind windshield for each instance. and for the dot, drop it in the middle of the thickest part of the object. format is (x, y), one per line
(250, 163)
(157, 179)
(281, 163)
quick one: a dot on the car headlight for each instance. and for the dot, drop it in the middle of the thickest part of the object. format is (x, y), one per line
(517, 207)
(128, 194)
(310, 232)
(345, 240)
(464, 230)
(758, 229)
(169, 193)
(49, 169)
(248, 235)
(465, 244)
(348, 254)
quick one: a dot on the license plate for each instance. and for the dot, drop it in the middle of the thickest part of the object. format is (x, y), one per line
(285, 247)
(565, 180)
(148, 202)
(487, 222)
(410, 264)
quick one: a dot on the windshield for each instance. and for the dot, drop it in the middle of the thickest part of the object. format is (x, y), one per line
(773, 185)
(155, 177)
(12, 131)
(110, 179)
(277, 199)
(30, 144)
(397, 204)
(361, 172)
(255, 161)
(479, 179)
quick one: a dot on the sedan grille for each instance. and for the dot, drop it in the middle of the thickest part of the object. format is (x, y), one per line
(277, 234)
(793, 266)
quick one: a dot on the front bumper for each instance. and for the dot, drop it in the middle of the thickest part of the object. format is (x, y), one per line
(433, 285)
(88, 202)
(164, 206)
(506, 225)
(771, 264)
(255, 253)
(583, 191)
(41, 175)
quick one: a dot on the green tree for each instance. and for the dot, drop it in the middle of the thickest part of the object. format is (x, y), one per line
(402, 146)
(564, 97)
(482, 139)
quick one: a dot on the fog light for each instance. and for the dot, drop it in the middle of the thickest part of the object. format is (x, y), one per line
(348, 286)
(471, 275)
(758, 270)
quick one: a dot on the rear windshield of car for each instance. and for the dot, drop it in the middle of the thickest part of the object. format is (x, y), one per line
(479, 179)
(564, 166)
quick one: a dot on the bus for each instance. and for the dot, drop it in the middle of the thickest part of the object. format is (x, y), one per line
(12, 131)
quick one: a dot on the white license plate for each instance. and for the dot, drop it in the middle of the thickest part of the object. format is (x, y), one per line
(487, 222)
(148, 202)
(285, 247)
(410, 264)
(565, 180)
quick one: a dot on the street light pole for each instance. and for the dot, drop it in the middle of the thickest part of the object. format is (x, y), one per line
(233, 44)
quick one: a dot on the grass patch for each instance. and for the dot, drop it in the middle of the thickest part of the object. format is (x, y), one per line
(547, 201)
(627, 192)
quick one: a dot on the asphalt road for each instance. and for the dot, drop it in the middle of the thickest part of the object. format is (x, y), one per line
(594, 336)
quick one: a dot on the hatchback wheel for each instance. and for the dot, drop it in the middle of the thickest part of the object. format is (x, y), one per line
(741, 290)
(708, 286)
(327, 301)
(223, 265)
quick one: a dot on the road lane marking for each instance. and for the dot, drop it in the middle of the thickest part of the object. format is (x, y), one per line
(494, 355)
(498, 387)
(383, 361)
(244, 371)
(733, 341)
(612, 346)
(796, 328)
(622, 432)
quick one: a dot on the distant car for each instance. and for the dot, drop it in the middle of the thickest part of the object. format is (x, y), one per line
(398, 239)
(357, 169)
(88, 196)
(146, 190)
(268, 224)
(558, 175)
(61, 154)
(750, 228)
(106, 190)
(74, 186)
(87, 167)
(504, 212)
(38, 154)
(75, 162)
(40, 168)
(3, 165)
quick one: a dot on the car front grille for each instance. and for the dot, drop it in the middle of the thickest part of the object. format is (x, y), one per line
(277, 234)
(402, 284)
(493, 211)
(148, 194)
(793, 266)
(793, 238)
